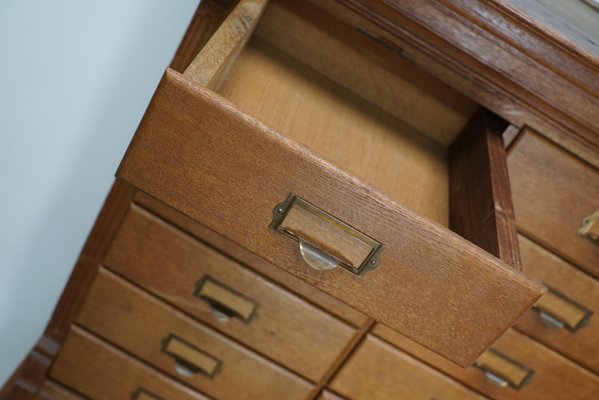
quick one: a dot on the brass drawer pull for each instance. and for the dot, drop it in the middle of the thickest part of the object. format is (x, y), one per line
(558, 311)
(225, 302)
(189, 359)
(142, 394)
(502, 371)
(324, 241)
(590, 227)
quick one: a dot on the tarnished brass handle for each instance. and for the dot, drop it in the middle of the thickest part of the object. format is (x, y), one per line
(503, 371)
(590, 227)
(324, 241)
(556, 310)
(143, 394)
(226, 302)
(189, 360)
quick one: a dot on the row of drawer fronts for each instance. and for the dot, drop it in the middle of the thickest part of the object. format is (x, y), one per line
(553, 307)
(265, 317)
(179, 346)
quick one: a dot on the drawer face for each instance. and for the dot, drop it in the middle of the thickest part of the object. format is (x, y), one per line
(97, 370)
(553, 192)
(379, 371)
(180, 347)
(202, 156)
(201, 281)
(52, 391)
(553, 376)
(579, 292)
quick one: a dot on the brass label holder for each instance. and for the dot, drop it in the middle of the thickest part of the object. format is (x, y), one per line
(325, 242)
(556, 310)
(224, 301)
(502, 370)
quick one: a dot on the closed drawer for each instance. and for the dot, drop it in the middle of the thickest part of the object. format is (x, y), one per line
(181, 347)
(220, 292)
(53, 391)
(99, 371)
(514, 360)
(201, 155)
(379, 371)
(566, 317)
(553, 192)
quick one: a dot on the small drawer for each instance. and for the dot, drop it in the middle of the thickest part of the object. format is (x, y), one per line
(212, 287)
(181, 347)
(516, 367)
(565, 318)
(97, 370)
(53, 391)
(555, 197)
(203, 156)
(379, 371)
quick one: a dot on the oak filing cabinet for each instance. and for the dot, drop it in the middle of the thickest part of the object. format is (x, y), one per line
(352, 199)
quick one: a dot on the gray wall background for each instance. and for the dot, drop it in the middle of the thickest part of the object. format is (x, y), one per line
(75, 79)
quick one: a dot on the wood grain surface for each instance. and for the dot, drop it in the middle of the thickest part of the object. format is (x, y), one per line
(210, 67)
(53, 391)
(581, 346)
(99, 371)
(554, 377)
(367, 67)
(553, 191)
(260, 265)
(207, 18)
(170, 264)
(341, 127)
(480, 197)
(201, 155)
(139, 323)
(379, 371)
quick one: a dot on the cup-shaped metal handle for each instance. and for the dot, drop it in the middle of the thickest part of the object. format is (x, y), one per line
(590, 227)
(226, 302)
(190, 360)
(502, 370)
(324, 241)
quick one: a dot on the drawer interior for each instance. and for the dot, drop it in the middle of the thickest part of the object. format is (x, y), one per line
(353, 101)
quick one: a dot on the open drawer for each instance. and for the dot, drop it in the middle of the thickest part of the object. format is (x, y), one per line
(302, 167)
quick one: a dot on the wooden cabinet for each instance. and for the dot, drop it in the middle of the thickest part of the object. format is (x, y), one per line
(317, 204)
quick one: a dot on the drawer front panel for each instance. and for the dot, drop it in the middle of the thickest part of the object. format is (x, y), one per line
(233, 299)
(201, 155)
(579, 293)
(553, 192)
(182, 348)
(379, 371)
(553, 377)
(97, 370)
